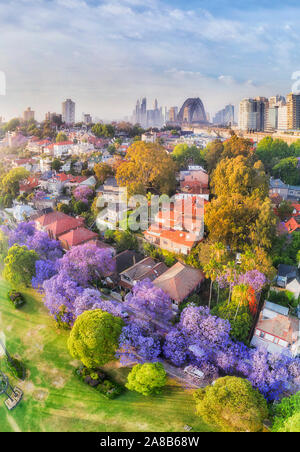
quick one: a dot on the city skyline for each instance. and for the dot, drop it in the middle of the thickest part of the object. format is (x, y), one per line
(105, 54)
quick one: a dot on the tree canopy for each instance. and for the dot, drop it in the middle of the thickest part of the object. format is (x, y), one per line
(148, 378)
(19, 267)
(148, 166)
(94, 338)
(232, 405)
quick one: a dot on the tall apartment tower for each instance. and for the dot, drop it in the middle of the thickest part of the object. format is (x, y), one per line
(253, 114)
(28, 114)
(293, 111)
(68, 111)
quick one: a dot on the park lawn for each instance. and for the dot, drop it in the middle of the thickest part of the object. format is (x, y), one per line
(55, 400)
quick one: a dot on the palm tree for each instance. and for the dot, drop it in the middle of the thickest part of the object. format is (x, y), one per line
(210, 271)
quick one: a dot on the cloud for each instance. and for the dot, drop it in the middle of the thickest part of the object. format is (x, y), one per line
(106, 53)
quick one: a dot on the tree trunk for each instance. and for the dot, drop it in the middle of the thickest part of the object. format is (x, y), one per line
(210, 292)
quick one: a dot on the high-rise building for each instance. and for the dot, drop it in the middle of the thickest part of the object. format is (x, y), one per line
(275, 102)
(148, 118)
(293, 111)
(28, 114)
(282, 117)
(68, 111)
(173, 112)
(225, 117)
(252, 114)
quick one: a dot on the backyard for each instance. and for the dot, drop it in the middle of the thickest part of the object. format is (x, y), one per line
(54, 398)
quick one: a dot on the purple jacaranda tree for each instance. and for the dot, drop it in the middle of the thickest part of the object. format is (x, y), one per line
(83, 193)
(91, 299)
(44, 269)
(39, 241)
(60, 293)
(149, 301)
(199, 326)
(175, 348)
(87, 263)
(254, 279)
(138, 343)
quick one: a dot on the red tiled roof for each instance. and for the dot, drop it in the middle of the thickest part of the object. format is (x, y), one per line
(292, 225)
(78, 236)
(181, 237)
(63, 225)
(49, 218)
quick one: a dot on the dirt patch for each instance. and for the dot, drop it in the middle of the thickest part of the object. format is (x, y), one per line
(40, 395)
(58, 382)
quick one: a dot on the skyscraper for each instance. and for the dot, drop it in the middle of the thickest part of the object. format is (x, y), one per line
(293, 111)
(225, 117)
(252, 114)
(28, 114)
(68, 111)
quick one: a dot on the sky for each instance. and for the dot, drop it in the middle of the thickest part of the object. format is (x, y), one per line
(104, 54)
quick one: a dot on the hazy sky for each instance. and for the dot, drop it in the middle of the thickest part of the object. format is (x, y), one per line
(104, 54)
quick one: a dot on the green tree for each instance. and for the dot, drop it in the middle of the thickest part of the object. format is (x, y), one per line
(287, 170)
(61, 137)
(232, 405)
(56, 164)
(19, 267)
(125, 240)
(287, 414)
(147, 379)
(12, 125)
(285, 210)
(94, 338)
(239, 175)
(10, 181)
(186, 155)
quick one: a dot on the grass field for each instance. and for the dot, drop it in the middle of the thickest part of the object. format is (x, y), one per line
(55, 400)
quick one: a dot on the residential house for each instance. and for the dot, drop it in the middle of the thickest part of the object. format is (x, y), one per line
(63, 225)
(287, 192)
(27, 186)
(37, 147)
(44, 220)
(194, 181)
(179, 282)
(127, 259)
(288, 278)
(277, 331)
(178, 242)
(76, 237)
(293, 224)
(60, 150)
(147, 268)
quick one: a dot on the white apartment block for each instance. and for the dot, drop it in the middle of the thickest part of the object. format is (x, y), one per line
(68, 111)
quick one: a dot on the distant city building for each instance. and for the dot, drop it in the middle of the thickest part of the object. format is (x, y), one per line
(293, 111)
(53, 117)
(225, 117)
(148, 118)
(68, 111)
(253, 114)
(173, 112)
(282, 117)
(272, 116)
(28, 114)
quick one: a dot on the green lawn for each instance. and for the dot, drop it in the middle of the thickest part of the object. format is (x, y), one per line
(55, 400)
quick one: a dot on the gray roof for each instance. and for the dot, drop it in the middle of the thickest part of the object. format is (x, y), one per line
(276, 308)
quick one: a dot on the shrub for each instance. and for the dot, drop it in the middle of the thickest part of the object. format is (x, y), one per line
(16, 298)
(16, 367)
